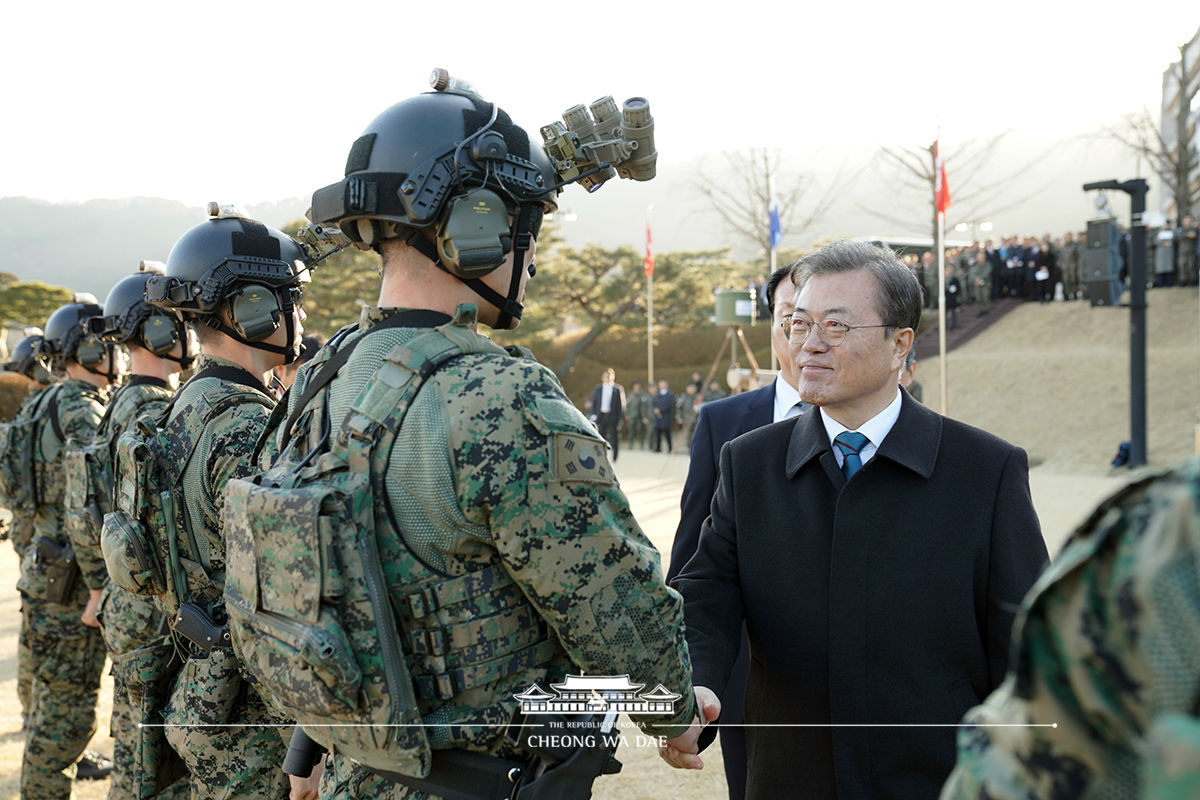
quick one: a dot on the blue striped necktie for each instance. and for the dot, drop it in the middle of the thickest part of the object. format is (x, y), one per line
(851, 444)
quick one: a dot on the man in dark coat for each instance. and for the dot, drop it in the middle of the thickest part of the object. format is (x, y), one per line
(663, 408)
(608, 407)
(719, 423)
(876, 550)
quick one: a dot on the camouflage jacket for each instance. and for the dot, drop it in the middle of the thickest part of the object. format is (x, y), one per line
(224, 450)
(494, 467)
(22, 525)
(78, 409)
(1106, 661)
(139, 395)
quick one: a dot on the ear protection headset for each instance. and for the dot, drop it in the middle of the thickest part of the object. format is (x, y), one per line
(159, 334)
(254, 312)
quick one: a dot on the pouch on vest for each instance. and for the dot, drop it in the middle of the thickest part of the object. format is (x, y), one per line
(57, 563)
(133, 564)
(89, 490)
(309, 608)
(18, 479)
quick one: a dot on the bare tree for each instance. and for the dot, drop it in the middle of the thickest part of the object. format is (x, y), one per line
(741, 196)
(974, 198)
(1170, 147)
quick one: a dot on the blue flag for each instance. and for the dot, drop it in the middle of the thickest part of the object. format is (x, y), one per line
(773, 211)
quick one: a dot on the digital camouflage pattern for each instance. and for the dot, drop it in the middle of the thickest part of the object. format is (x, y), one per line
(495, 474)
(240, 755)
(21, 532)
(66, 655)
(129, 622)
(1108, 651)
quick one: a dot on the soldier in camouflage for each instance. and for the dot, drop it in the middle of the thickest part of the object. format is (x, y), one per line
(25, 361)
(159, 349)
(1103, 693)
(239, 283)
(494, 473)
(66, 654)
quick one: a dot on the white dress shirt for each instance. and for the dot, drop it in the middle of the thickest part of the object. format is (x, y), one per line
(786, 398)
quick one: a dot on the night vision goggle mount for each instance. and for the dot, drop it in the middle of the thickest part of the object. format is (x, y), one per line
(593, 144)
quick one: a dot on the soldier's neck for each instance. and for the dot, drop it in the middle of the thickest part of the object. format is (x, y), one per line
(256, 362)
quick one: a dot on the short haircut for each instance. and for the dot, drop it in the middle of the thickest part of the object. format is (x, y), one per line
(773, 284)
(898, 299)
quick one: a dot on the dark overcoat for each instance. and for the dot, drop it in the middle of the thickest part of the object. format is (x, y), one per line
(883, 604)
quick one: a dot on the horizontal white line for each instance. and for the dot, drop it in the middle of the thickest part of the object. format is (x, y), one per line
(710, 725)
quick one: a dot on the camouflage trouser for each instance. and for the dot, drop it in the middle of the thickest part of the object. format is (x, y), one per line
(637, 433)
(130, 625)
(219, 726)
(24, 665)
(67, 658)
(344, 779)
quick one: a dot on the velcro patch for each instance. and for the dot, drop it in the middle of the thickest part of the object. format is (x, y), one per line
(580, 459)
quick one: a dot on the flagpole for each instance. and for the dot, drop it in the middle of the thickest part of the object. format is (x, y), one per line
(649, 265)
(941, 261)
(941, 201)
(772, 263)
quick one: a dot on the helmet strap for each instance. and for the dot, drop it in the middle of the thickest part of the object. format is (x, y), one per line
(287, 309)
(508, 306)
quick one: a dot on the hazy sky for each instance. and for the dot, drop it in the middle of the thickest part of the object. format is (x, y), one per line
(251, 101)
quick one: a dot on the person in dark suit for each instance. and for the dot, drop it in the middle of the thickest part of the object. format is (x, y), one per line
(721, 421)
(608, 407)
(876, 551)
(663, 408)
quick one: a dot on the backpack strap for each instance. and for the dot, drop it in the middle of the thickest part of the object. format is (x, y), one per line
(419, 318)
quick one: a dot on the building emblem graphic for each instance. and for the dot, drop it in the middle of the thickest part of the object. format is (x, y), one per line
(591, 694)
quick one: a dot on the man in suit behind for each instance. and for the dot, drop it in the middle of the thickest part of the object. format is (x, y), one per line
(608, 406)
(876, 550)
(721, 421)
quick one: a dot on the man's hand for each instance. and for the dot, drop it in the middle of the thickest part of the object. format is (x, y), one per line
(307, 788)
(89, 614)
(682, 751)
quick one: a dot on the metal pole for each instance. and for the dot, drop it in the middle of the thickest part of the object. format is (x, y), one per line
(941, 262)
(650, 327)
(1137, 322)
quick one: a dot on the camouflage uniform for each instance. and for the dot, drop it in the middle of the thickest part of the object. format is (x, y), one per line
(494, 466)
(66, 655)
(1108, 650)
(639, 418)
(128, 621)
(223, 761)
(21, 531)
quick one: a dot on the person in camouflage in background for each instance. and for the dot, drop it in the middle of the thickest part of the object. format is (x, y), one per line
(25, 361)
(1107, 662)
(159, 348)
(494, 472)
(66, 654)
(239, 283)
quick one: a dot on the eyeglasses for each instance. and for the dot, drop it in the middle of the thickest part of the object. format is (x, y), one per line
(832, 332)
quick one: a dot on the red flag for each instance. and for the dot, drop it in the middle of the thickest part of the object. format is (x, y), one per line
(941, 195)
(649, 260)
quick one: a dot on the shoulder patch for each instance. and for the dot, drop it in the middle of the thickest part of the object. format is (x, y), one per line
(580, 459)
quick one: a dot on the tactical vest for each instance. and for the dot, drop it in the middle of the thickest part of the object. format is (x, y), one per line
(18, 442)
(350, 658)
(88, 466)
(142, 537)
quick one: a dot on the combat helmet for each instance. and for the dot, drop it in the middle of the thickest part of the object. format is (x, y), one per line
(68, 337)
(445, 171)
(26, 359)
(128, 318)
(233, 263)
